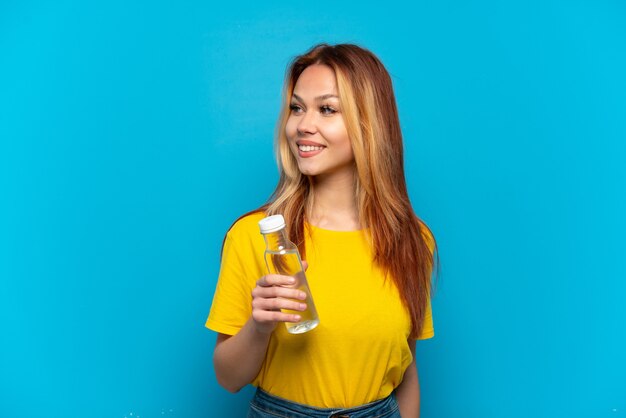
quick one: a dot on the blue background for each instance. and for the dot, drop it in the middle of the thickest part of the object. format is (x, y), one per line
(133, 133)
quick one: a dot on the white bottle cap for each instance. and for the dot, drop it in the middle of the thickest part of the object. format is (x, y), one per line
(272, 224)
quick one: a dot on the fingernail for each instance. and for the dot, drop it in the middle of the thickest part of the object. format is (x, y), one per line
(291, 280)
(302, 295)
(302, 306)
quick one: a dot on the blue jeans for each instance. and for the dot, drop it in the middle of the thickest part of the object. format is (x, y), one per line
(264, 405)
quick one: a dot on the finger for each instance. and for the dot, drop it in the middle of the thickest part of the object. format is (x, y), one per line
(274, 316)
(305, 265)
(275, 304)
(275, 280)
(277, 292)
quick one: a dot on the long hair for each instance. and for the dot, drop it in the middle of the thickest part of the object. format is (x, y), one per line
(401, 243)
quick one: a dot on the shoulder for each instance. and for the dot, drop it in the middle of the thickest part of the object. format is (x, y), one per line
(244, 237)
(246, 225)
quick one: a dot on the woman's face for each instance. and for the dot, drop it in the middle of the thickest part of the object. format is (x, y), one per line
(315, 129)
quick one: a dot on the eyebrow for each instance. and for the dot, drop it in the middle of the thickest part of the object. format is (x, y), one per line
(318, 98)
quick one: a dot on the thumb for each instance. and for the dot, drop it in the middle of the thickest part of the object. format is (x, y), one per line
(305, 265)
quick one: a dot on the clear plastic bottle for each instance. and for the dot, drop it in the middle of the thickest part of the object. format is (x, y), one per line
(282, 257)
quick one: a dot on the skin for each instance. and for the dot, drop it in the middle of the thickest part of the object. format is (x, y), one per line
(408, 392)
(237, 359)
(315, 123)
(316, 118)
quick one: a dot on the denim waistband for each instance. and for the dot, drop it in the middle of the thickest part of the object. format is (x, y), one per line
(264, 405)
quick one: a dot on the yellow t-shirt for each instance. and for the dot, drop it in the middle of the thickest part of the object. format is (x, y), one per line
(359, 351)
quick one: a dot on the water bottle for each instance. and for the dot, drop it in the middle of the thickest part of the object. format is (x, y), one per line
(282, 257)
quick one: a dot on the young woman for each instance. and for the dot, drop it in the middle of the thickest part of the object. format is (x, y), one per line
(343, 194)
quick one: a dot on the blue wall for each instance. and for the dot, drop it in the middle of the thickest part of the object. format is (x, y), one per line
(131, 136)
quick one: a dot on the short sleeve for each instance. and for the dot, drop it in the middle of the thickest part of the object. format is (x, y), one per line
(428, 330)
(231, 305)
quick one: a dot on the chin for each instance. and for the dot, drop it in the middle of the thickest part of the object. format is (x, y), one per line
(308, 170)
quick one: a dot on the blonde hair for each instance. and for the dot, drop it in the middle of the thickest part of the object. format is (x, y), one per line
(401, 243)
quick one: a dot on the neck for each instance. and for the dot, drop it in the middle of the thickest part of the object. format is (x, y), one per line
(334, 202)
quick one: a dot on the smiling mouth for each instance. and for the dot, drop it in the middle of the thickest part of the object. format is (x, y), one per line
(308, 151)
(309, 148)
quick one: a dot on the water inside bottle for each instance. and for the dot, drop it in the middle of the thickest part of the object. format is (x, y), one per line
(287, 262)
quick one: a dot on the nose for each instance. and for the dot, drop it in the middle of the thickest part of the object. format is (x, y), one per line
(306, 124)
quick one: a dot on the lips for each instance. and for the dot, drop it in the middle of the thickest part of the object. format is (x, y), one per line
(308, 149)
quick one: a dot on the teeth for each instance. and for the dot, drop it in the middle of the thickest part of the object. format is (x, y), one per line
(307, 148)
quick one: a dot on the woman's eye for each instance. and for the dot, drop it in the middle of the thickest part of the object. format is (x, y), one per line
(327, 110)
(295, 108)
